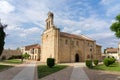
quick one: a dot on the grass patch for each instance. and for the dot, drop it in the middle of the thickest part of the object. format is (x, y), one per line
(112, 67)
(44, 70)
(4, 67)
(13, 61)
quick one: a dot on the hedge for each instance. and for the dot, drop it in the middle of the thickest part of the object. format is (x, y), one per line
(109, 61)
(89, 63)
(50, 62)
(96, 62)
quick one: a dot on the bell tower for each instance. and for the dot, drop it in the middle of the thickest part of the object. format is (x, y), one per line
(50, 37)
(49, 21)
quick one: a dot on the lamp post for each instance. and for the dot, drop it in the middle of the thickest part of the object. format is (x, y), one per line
(91, 52)
(91, 55)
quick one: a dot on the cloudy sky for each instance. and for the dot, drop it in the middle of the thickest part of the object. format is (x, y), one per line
(26, 19)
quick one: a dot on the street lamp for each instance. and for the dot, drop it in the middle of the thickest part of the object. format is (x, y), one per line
(91, 55)
(91, 52)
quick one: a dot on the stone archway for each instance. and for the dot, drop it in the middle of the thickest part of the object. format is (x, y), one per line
(77, 58)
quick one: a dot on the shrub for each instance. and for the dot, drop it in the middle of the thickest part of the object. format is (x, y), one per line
(106, 62)
(3, 58)
(89, 63)
(109, 61)
(96, 62)
(12, 57)
(112, 60)
(15, 57)
(50, 62)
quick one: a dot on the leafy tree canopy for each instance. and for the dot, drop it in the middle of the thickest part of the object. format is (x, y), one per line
(2, 37)
(115, 27)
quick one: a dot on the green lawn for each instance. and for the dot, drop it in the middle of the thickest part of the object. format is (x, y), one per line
(13, 61)
(113, 67)
(3, 67)
(44, 70)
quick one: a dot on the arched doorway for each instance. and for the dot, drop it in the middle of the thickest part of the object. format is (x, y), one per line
(77, 58)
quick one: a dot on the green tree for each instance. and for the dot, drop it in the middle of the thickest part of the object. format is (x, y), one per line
(26, 55)
(115, 27)
(2, 37)
(17, 48)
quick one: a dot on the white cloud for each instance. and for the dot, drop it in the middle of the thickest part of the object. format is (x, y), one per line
(107, 2)
(6, 7)
(26, 19)
(22, 32)
(20, 36)
(114, 10)
(91, 23)
(105, 39)
(112, 7)
(30, 31)
(102, 35)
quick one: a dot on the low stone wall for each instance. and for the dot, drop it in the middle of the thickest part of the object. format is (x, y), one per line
(7, 53)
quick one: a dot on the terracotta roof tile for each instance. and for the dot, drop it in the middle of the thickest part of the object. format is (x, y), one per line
(112, 50)
(98, 45)
(32, 46)
(75, 36)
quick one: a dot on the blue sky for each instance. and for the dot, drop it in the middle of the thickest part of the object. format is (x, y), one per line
(26, 19)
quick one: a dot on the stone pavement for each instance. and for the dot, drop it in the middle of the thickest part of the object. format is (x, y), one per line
(27, 73)
(102, 75)
(10, 73)
(78, 73)
(60, 75)
(74, 72)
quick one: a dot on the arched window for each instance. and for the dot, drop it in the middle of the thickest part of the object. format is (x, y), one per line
(77, 43)
(72, 43)
(66, 41)
(88, 56)
(49, 24)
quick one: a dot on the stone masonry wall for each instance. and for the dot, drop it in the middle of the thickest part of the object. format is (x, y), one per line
(68, 48)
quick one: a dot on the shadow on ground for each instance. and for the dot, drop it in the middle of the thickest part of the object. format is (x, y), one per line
(102, 75)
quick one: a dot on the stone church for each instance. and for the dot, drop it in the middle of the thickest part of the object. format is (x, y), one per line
(66, 47)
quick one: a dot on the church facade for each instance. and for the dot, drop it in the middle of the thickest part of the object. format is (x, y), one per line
(66, 47)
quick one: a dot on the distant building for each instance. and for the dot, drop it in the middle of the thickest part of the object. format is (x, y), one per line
(7, 53)
(67, 47)
(119, 50)
(33, 50)
(112, 52)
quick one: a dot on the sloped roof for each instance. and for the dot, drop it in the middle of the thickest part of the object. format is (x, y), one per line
(112, 50)
(64, 34)
(98, 45)
(32, 46)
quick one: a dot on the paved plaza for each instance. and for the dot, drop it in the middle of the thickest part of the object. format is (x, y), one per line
(75, 71)
(27, 73)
